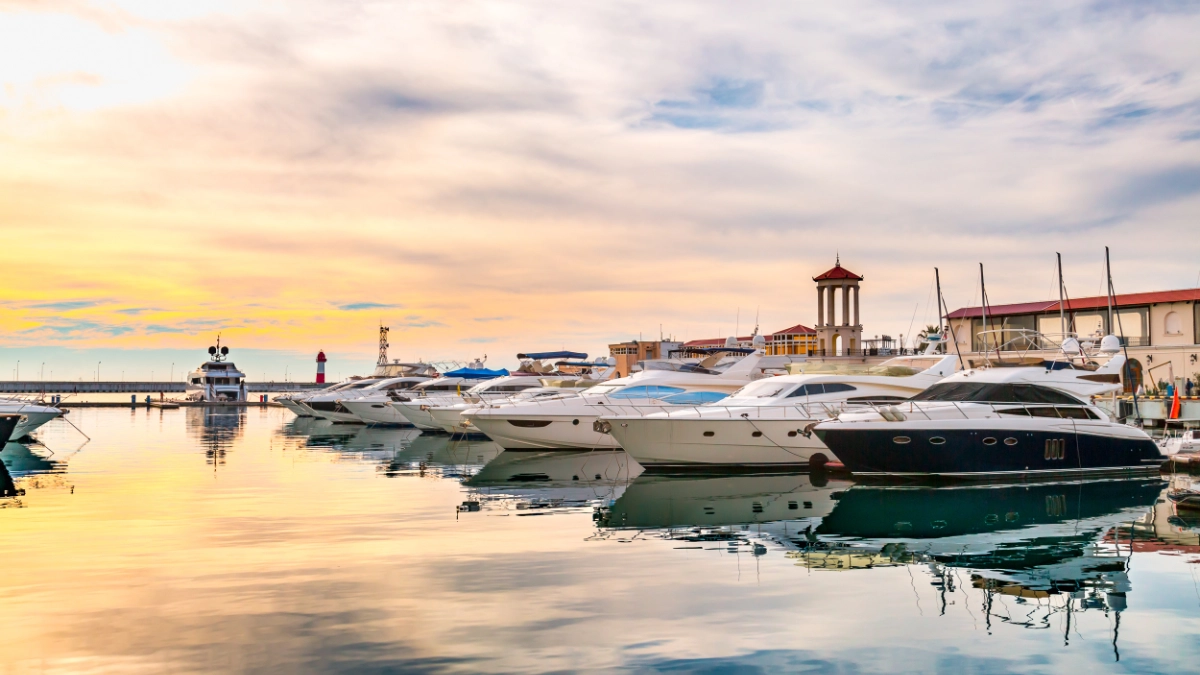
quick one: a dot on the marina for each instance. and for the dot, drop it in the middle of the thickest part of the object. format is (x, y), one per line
(191, 538)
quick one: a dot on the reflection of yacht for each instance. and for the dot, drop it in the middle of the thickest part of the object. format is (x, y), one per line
(764, 423)
(1026, 416)
(537, 480)
(33, 415)
(216, 380)
(450, 458)
(217, 428)
(654, 501)
(565, 423)
(19, 459)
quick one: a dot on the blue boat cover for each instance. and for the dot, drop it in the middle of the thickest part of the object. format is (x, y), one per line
(538, 356)
(476, 373)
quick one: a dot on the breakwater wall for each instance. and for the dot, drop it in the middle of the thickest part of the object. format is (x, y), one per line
(144, 387)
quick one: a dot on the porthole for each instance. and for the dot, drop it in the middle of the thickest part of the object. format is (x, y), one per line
(376, 405)
(1010, 441)
(756, 434)
(989, 441)
(808, 505)
(756, 507)
(937, 440)
(902, 440)
(575, 422)
(791, 434)
(709, 434)
(793, 506)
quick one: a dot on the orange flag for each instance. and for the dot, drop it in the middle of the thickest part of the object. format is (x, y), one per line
(1175, 405)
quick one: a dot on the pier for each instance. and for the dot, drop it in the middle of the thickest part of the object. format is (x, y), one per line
(138, 387)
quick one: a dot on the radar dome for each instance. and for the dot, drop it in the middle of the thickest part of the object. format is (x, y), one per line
(610, 361)
(1111, 344)
(731, 341)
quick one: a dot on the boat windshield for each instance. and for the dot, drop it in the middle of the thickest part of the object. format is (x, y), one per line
(897, 367)
(768, 388)
(678, 367)
(988, 392)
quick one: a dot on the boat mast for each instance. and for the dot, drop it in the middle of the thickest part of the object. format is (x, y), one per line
(942, 312)
(1121, 334)
(1062, 311)
(983, 308)
(1108, 275)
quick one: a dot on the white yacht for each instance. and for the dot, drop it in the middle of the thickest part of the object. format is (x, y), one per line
(567, 423)
(763, 425)
(452, 418)
(332, 406)
(216, 379)
(414, 407)
(32, 415)
(294, 401)
(1016, 414)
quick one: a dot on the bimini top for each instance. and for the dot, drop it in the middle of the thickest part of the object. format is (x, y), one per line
(476, 373)
(538, 356)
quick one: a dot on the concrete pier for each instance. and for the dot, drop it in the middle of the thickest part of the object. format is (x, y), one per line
(68, 387)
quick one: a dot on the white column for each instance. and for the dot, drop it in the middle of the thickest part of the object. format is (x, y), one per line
(857, 322)
(830, 320)
(845, 305)
(820, 306)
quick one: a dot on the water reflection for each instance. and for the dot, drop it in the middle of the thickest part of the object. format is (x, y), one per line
(442, 456)
(550, 481)
(216, 428)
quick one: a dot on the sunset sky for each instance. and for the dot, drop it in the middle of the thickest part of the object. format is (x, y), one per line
(492, 177)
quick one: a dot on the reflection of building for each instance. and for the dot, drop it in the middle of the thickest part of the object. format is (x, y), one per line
(1161, 329)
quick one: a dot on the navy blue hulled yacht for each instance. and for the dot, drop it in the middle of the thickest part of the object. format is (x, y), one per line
(1026, 417)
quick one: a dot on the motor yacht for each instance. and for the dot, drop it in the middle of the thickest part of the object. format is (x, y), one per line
(1015, 414)
(763, 425)
(569, 423)
(216, 379)
(535, 371)
(414, 408)
(394, 369)
(452, 419)
(32, 414)
(333, 406)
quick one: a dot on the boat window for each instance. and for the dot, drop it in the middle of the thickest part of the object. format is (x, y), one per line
(989, 392)
(808, 390)
(694, 397)
(195, 380)
(1074, 413)
(838, 388)
(504, 387)
(646, 391)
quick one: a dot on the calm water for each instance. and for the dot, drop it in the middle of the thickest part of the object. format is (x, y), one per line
(199, 540)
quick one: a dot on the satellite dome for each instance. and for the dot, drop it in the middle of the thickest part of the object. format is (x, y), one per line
(731, 341)
(1071, 346)
(759, 341)
(1111, 344)
(610, 361)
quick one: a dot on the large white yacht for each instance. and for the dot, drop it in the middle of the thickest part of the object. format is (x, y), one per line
(566, 423)
(32, 415)
(763, 425)
(216, 379)
(387, 370)
(1016, 414)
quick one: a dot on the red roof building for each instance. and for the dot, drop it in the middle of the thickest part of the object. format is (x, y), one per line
(837, 272)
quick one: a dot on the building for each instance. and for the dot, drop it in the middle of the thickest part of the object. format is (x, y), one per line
(836, 338)
(797, 340)
(627, 354)
(1159, 329)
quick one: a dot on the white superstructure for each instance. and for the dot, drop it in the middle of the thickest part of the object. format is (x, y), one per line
(217, 379)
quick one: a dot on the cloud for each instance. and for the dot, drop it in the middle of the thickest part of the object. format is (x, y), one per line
(354, 306)
(65, 306)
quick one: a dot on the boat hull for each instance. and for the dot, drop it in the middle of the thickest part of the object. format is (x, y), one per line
(31, 421)
(690, 443)
(377, 413)
(970, 449)
(558, 432)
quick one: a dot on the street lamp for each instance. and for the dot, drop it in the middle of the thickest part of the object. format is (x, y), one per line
(42, 372)
(18, 370)
(285, 371)
(97, 371)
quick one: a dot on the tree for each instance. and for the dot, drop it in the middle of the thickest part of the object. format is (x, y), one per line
(923, 336)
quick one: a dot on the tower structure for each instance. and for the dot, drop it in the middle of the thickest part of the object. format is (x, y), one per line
(836, 337)
(321, 367)
(383, 345)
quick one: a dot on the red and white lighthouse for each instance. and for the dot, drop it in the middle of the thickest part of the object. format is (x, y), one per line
(321, 367)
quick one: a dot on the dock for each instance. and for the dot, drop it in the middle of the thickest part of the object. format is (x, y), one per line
(138, 387)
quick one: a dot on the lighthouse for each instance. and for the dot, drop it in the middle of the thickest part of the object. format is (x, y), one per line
(321, 367)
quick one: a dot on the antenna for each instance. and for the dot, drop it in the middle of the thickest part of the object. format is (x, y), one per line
(1124, 343)
(383, 344)
(983, 308)
(941, 306)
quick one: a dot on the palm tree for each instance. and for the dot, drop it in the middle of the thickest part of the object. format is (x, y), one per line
(923, 336)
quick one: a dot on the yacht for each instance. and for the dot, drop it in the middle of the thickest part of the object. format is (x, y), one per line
(764, 424)
(332, 406)
(535, 369)
(569, 423)
(294, 401)
(216, 380)
(1015, 414)
(447, 390)
(32, 415)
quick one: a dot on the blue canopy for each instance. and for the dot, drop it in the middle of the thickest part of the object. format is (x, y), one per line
(476, 373)
(538, 356)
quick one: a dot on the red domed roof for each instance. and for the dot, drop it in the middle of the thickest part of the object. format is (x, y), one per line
(838, 272)
(321, 357)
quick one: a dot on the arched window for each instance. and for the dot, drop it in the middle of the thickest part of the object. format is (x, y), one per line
(1173, 324)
